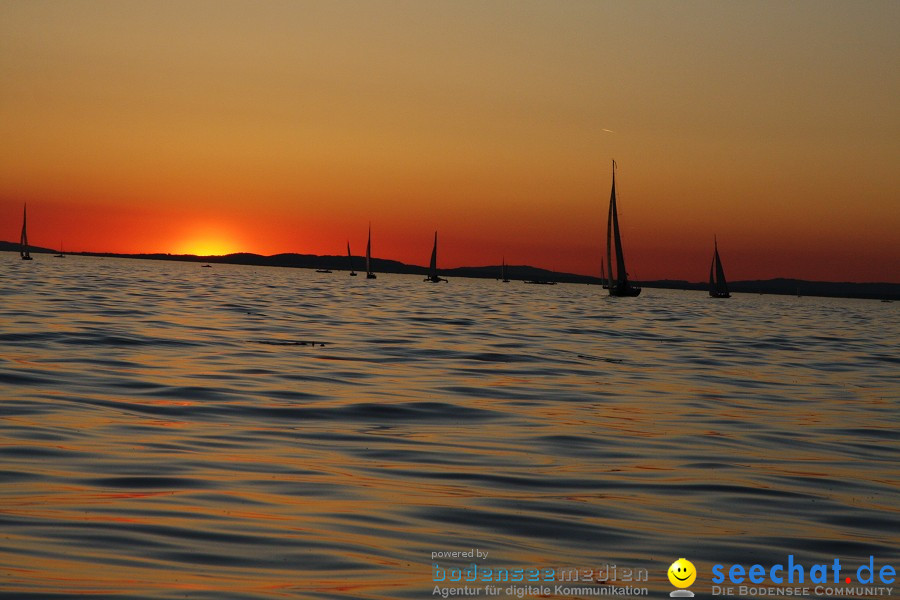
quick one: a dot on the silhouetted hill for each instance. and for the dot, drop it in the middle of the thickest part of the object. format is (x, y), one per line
(516, 272)
(14, 247)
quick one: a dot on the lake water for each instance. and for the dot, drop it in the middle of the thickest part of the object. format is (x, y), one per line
(168, 431)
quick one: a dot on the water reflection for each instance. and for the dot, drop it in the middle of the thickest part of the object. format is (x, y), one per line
(153, 447)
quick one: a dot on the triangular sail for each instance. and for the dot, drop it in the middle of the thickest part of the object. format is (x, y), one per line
(369, 253)
(621, 274)
(717, 284)
(23, 240)
(617, 281)
(721, 284)
(432, 269)
(503, 270)
(609, 269)
(350, 257)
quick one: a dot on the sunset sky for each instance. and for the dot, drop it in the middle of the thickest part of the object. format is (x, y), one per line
(223, 126)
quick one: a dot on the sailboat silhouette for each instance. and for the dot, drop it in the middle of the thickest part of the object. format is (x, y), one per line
(718, 287)
(619, 286)
(350, 258)
(23, 241)
(369, 273)
(432, 268)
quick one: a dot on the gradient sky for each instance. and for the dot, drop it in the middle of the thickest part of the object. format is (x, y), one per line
(221, 126)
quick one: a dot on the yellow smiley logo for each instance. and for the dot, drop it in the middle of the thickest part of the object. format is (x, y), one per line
(682, 573)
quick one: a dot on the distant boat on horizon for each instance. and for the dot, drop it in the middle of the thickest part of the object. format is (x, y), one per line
(503, 276)
(718, 287)
(23, 240)
(369, 273)
(603, 277)
(619, 286)
(323, 270)
(350, 258)
(540, 282)
(432, 268)
(60, 255)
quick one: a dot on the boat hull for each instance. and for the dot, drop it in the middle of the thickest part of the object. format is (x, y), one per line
(719, 295)
(626, 292)
(371, 276)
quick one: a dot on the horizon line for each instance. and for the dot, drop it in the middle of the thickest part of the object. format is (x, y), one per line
(199, 257)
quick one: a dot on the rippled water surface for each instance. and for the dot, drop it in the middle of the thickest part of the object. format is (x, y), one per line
(171, 431)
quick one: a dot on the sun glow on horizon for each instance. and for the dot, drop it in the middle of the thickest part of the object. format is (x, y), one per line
(208, 241)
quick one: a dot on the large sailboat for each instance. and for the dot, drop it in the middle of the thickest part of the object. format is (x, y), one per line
(369, 273)
(618, 286)
(23, 241)
(350, 258)
(718, 287)
(432, 268)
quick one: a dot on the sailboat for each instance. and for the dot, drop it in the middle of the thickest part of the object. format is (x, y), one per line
(60, 255)
(23, 241)
(603, 277)
(718, 287)
(350, 258)
(432, 269)
(620, 286)
(369, 273)
(503, 275)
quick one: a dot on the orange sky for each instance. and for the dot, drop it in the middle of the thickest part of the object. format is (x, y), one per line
(287, 126)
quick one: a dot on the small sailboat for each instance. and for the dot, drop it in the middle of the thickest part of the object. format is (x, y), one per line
(620, 286)
(432, 269)
(323, 270)
(60, 255)
(369, 273)
(503, 275)
(718, 287)
(23, 241)
(603, 277)
(350, 258)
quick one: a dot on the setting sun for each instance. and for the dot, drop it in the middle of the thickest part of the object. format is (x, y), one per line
(208, 241)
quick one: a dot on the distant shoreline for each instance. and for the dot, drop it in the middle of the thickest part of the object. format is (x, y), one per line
(779, 286)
